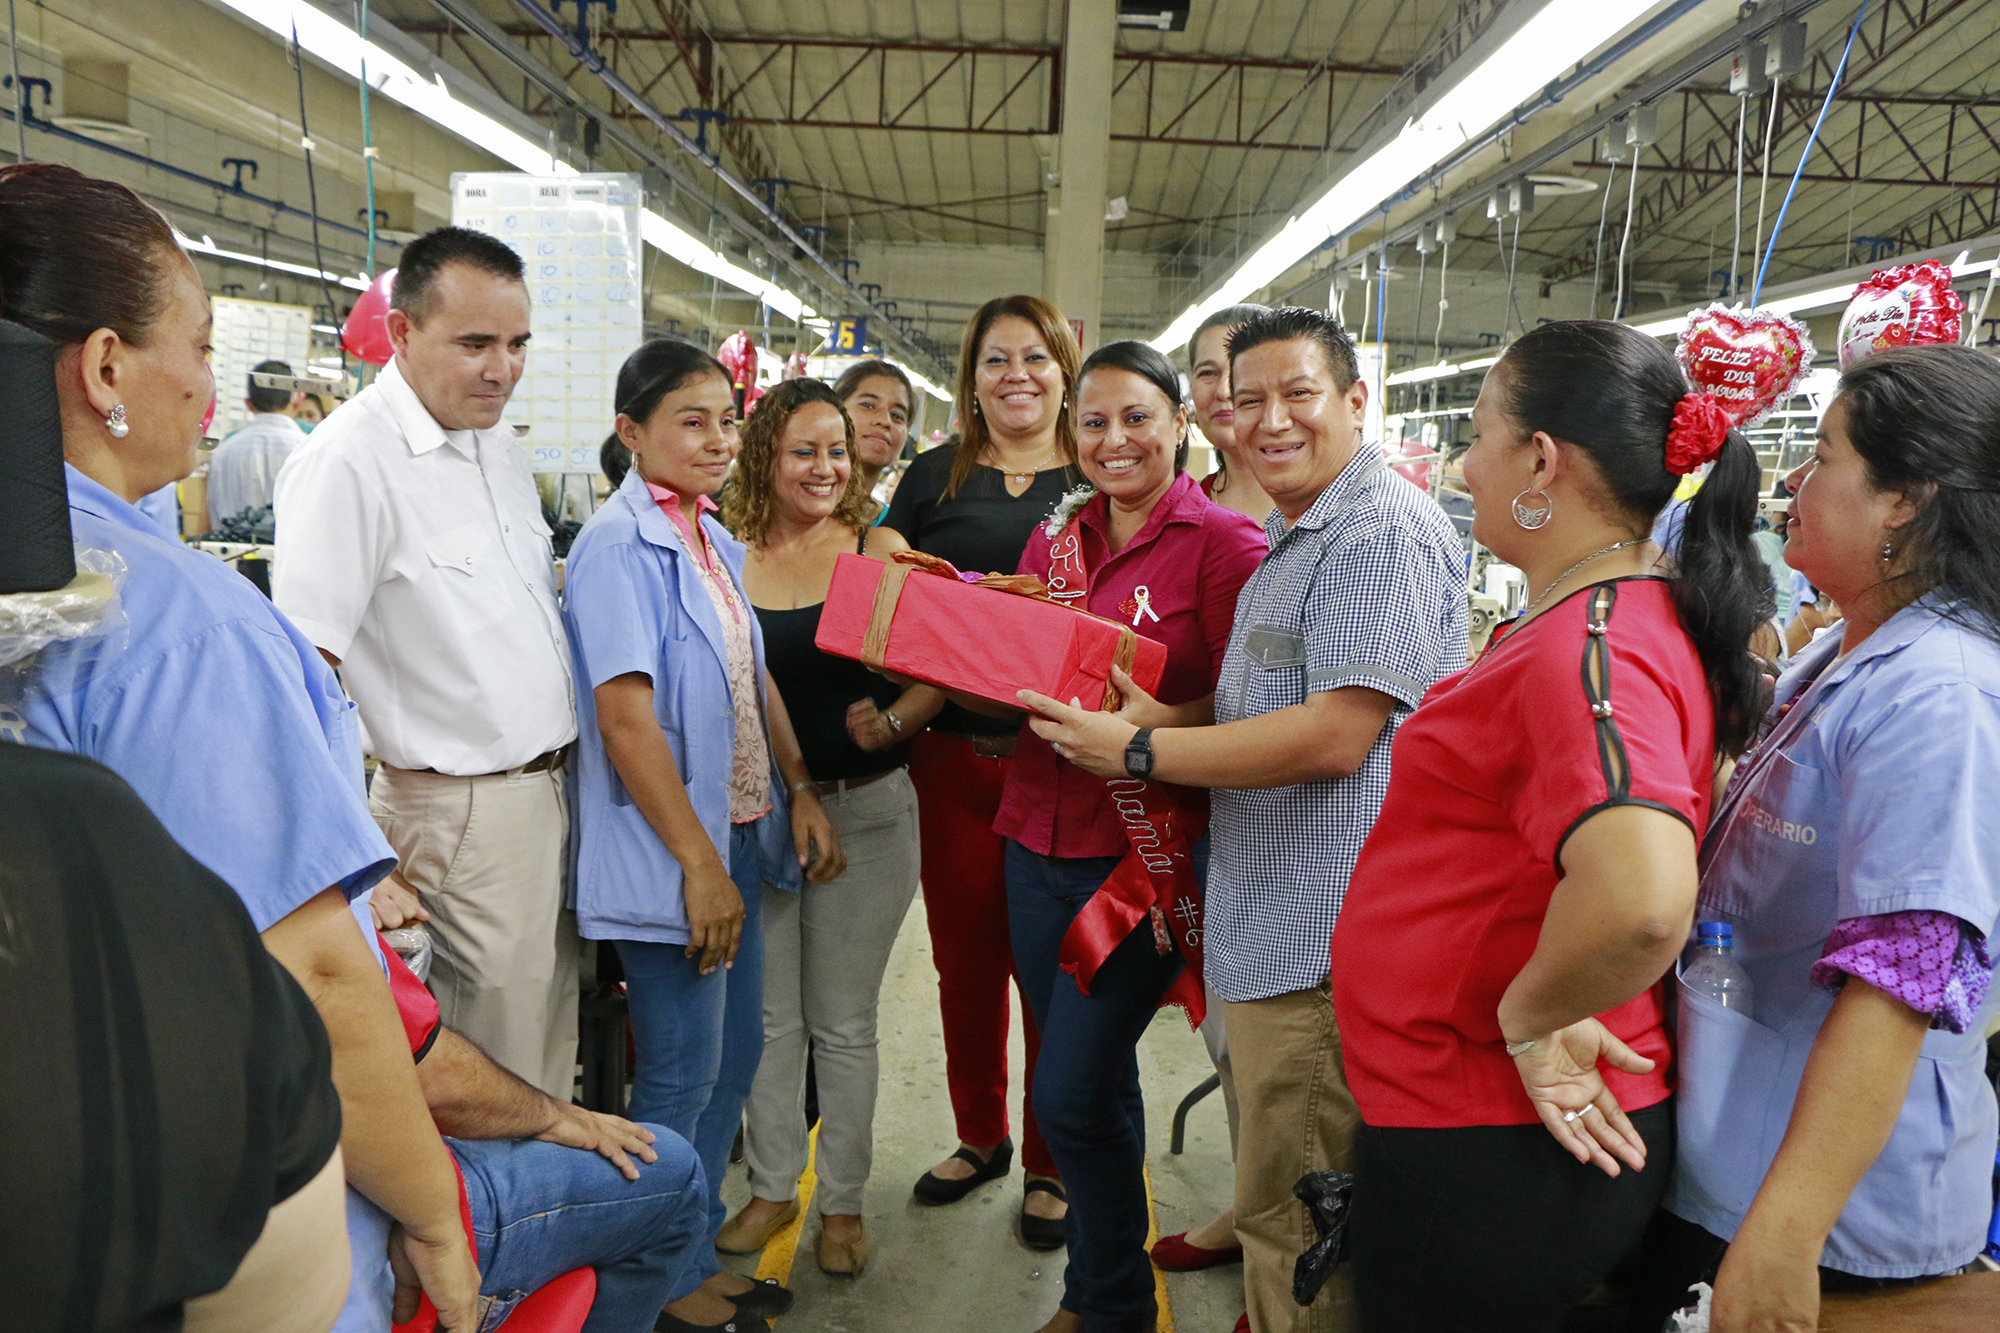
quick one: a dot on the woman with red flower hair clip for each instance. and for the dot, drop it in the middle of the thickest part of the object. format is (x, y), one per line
(1497, 967)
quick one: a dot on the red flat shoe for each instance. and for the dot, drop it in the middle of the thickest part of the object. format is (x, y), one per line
(1174, 1254)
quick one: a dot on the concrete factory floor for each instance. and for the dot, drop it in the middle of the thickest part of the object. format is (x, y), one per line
(962, 1268)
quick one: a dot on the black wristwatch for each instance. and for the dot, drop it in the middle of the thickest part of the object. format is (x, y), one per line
(1139, 754)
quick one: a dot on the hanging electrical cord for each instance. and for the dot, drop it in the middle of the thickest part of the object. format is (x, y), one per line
(20, 118)
(312, 184)
(1444, 273)
(1514, 268)
(1736, 245)
(1764, 181)
(1417, 306)
(367, 138)
(1382, 311)
(1603, 213)
(1625, 242)
(1778, 224)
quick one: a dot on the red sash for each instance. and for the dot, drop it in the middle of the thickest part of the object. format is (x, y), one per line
(1156, 877)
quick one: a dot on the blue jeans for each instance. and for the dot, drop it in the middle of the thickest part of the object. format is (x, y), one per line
(698, 1039)
(1087, 1081)
(540, 1210)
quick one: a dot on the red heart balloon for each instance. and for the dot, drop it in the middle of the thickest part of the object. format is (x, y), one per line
(364, 334)
(1901, 307)
(1750, 360)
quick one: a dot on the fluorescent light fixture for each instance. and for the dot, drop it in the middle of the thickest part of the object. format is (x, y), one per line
(343, 48)
(1558, 37)
(207, 246)
(926, 385)
(1441, 371)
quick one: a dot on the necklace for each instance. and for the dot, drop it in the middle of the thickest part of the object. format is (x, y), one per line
(1556, 582)
(1023, 478)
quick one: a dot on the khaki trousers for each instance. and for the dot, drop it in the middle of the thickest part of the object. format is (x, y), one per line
(485, 856)
(1296, 1116)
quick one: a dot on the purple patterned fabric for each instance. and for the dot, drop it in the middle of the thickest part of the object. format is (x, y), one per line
(1934, 962)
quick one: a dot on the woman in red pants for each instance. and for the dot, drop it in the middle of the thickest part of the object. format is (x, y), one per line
(975, 505)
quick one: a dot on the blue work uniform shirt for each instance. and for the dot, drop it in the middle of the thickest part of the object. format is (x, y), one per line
(1869, 791)
(634, 601)
(228, 724)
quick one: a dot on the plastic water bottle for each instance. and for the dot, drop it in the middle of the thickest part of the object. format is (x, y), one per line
(1712, 970)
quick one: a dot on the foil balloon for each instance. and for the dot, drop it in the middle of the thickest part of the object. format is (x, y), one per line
(1750, 360)
(1905, 306)
(365, 334)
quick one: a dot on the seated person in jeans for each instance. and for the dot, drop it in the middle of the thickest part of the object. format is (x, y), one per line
(541, 1204)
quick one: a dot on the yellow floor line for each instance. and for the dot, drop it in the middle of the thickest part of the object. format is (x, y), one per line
(1166, 1319)
(784, 1245)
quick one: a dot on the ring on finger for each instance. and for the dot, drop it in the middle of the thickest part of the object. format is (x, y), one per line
(1571, 1116)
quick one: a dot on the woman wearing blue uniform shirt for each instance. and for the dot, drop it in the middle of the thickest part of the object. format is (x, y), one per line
(207, 702)
(1842, 1131)
(692, 792)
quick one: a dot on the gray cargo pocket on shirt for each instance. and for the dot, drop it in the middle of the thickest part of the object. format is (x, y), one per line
(1271, 646)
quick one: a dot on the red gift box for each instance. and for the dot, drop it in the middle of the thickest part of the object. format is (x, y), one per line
(982, 641)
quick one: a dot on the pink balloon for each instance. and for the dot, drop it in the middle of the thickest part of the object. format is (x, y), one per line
(1749, 360)
(365, 334)
(1417, 474)
(739, 357)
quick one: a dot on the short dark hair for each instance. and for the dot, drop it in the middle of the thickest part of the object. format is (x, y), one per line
(1926, 422)
(1145, 361)
(656, 369)
(78, 254)
(1292, 323)
(426, 257)
(269, 400)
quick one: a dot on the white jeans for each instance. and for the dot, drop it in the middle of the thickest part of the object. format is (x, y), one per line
(825, 949)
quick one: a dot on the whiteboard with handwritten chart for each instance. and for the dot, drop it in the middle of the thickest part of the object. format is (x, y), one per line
(578, 237)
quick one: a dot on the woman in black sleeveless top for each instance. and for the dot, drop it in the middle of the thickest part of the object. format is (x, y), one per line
(975, 504)
(798, 503)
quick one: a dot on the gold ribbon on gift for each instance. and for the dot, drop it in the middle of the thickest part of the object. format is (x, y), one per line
(889, 592)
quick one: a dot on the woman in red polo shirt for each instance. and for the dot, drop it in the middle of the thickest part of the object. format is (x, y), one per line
(1151, 551)
(1496, 969)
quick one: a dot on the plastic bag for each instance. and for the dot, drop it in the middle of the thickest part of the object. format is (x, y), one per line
(86, 605)
(413, 945)
(1327, 1195)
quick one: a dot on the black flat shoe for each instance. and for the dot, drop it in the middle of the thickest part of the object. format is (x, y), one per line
(1042, 1233)
(743, 1323)
(766, 1300)
(935, 1189)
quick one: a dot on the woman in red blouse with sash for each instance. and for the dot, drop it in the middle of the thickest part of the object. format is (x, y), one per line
(1151, 551)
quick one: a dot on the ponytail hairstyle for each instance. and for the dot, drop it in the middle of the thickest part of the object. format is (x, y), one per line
(1147, 362)
(1619, 397)
(1926, 421)
(656, 369)
(78, 254)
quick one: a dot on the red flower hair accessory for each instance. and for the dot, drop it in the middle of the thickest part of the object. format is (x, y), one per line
(1700, 426)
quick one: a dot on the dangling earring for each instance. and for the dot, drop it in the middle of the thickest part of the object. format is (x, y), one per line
(1888, 553)
(116, 423)
(1533, 518)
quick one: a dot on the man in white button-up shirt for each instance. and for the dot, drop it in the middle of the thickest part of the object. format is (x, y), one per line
(413, 553)
(244, 468)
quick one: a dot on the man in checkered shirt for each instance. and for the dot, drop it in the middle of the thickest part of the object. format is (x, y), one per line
(1358, 608)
